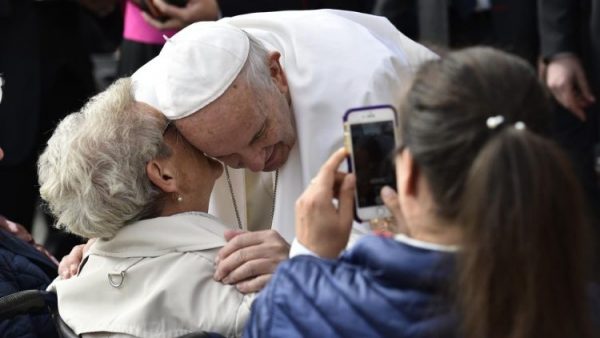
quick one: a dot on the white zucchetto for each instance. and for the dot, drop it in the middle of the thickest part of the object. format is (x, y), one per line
(194, 68)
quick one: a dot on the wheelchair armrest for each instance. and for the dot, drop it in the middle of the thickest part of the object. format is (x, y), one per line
(23, 302)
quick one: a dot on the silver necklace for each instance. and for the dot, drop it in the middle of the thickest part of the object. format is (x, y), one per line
(234, 201)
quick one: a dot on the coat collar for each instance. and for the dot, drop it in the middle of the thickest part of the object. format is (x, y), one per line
(403, 263)
(153, 237)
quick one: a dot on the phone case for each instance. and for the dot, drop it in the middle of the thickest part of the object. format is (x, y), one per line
(347, 142)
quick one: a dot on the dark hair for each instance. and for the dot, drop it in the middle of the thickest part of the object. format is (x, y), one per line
(521, 267)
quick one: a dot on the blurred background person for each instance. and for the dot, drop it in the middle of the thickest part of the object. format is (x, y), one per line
(45, 62)
(506, 24)
(570, 41)
(24, 265)
(493, 241)
(149, 22)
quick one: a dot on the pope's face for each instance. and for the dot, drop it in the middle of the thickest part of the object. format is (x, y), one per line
(245, 128)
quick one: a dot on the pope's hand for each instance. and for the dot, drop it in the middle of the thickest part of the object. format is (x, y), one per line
(179, 17)
(249, 259)
(322, 227)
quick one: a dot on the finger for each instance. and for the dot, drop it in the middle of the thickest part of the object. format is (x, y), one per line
(390, 199)
(237, 259)
(250, 269)
(238, 242)
(337, 183)
(230, 234)
(566, 96)
(1, 154)
(584, 87)
(326, 176)
(150, 20)
(64, 268)
(172, 24)
(254, 284)
(346, 201)
(573, 105)
(73, 269)
(172, 11)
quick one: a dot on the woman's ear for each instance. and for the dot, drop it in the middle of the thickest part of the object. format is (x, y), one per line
(161, 175)
(408, 174)
(276, 72)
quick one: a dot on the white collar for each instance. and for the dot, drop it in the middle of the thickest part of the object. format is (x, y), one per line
(189, 231)
(425, 245)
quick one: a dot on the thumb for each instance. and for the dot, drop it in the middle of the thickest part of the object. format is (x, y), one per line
(171, 11)
(390, 199)
(230, 234)
(583, 86)
(346, 200)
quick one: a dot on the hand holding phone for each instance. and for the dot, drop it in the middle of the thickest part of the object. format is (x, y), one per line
(322, 226)
(371, 137)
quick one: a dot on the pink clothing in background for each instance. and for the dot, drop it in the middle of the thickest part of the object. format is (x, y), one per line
(138, 30)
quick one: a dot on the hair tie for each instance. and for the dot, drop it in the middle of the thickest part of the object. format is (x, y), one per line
(493, 122)
(520, 126)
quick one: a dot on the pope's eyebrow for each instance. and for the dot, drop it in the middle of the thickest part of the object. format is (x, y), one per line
(260, 133)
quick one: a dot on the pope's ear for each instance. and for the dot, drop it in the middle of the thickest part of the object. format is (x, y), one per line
(161, 175)
(276, 72)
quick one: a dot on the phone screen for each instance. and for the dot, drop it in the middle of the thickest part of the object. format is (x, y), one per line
(372, 146)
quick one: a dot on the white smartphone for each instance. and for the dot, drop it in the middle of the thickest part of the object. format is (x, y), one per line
(371, 137)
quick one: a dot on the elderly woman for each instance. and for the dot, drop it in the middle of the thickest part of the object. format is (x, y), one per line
(117, 171)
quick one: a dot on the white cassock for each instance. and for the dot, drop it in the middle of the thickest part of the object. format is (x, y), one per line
(333, 61)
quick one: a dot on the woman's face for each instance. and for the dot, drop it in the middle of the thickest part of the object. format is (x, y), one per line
(196, 173)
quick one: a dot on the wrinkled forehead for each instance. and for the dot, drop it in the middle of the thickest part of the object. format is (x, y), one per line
(221, 130)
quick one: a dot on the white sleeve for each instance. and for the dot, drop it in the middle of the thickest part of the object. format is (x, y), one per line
(298, 249)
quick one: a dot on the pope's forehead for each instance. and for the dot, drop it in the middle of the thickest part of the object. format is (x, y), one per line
(221, 127)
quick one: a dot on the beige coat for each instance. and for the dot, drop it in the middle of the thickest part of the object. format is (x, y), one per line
(154, 279)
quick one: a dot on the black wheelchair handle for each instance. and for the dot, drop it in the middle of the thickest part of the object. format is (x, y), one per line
(22, 302)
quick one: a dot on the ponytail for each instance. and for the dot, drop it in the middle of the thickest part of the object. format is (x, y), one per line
(521, 270)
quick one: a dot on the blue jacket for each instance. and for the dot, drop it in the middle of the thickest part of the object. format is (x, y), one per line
(380, 288)
(22, 267)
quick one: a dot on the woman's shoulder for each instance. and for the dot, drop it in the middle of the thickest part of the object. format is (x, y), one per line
(358, 285)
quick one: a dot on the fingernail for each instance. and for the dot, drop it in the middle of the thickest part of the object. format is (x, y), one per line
(217, 260)
(226, 280)
(217, 277)
(387, 192)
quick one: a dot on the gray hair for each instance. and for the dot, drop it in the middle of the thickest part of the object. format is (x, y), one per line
(93, 171)
(256, 69)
